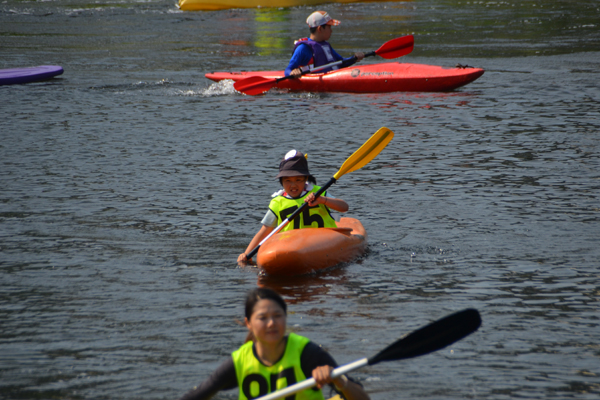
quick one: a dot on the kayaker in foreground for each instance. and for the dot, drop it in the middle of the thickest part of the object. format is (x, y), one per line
(299, 186)
(315, 51)
(269, 357)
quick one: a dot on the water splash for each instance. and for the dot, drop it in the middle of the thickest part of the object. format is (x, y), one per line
(221, 88)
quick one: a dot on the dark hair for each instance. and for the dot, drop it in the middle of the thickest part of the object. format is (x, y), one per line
(313, 30)
(309, 179)
(254, 296)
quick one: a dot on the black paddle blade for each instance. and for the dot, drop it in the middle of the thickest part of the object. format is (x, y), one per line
(432, 337)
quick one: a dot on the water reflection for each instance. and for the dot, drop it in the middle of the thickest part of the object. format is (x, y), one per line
(270, 34)
(305, 288)
(409, 100)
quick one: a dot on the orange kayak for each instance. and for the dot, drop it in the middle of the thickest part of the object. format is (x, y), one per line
(301, 251)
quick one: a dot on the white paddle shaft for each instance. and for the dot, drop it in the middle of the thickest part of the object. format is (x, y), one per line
(274, 231)
(307, 384)
(322, 67)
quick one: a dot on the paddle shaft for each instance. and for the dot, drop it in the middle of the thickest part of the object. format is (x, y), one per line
(394, 48)
(397, 47)
(322, 67)
(307, 384)
(290, 218)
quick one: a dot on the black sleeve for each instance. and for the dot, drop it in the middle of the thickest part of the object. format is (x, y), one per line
(314, 356)
(224, 378)
(349, 61)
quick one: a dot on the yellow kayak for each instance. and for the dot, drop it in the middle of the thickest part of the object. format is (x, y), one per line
(211, 5)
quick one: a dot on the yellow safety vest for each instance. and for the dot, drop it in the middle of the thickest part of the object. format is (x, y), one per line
(312, 217)
(256, 379)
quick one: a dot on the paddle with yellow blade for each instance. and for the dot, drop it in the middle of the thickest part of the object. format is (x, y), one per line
(432, 337)
(394, 48)
(357, 160)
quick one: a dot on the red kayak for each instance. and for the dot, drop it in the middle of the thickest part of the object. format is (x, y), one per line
(372, 78)
(301, 251)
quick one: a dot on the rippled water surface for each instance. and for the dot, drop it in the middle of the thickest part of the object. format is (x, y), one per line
(129, 185)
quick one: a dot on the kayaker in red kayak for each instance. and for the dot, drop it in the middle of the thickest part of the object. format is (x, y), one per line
(269, 353)
(299, 186)
(315, 51)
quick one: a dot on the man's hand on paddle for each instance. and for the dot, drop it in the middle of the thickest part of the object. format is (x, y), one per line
(296, 73)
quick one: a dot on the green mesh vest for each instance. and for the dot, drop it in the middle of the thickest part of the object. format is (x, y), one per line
(311, 217)
(256, 379)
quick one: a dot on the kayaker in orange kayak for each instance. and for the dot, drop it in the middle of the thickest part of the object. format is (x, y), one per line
(299, 186)
(271, 360)
(315, 51)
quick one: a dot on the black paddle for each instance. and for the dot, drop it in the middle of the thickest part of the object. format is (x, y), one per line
(394, 48)
(432, 337)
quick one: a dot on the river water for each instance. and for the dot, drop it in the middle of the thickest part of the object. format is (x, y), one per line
(129, 185)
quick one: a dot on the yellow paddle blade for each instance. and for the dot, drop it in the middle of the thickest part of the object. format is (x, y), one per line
(366, 152)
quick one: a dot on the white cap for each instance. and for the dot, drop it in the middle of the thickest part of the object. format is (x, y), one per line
(319, 18)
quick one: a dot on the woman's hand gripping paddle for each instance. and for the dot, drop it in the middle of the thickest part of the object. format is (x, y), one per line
(357, 160)
(432, 337)
(394, 48)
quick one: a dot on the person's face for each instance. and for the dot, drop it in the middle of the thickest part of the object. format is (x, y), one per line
(326, 31)
(293, 185)
(267, 322)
